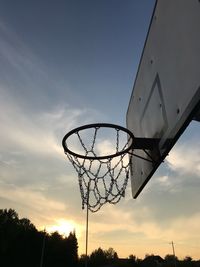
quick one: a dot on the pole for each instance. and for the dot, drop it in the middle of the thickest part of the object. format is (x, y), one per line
(86, 242)
(43, 247)
(174, 253)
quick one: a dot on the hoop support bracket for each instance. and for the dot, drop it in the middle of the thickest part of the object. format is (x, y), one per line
(145, 143)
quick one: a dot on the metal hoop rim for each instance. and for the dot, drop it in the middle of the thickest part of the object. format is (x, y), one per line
(98, 125)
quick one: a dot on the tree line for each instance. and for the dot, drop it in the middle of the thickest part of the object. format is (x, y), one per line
(109, 258)
(21, 244)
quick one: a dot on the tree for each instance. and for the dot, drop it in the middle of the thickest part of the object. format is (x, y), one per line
(132, 257)
(21, 244)
(9, 231)
(101, 257)
(188, 259)
(152, 260)
(72, 247)
(26, 224)
(170, 258)
(8, 215)
(98, 257)
(115, 256)
(188, 262)
(111, 254)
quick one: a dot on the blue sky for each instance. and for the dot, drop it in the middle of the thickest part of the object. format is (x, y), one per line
(68, 63)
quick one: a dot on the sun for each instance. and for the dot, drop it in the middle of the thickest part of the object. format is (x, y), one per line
(63, 227)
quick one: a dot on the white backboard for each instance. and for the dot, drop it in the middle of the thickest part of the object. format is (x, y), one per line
(166, 92)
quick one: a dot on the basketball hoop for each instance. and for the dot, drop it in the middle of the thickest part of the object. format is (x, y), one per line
(101, 154)
(102, 163)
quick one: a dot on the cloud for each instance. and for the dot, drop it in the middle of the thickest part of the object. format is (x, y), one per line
(36, 179)
(31, 150)
(31, 198)
(116, 227)
(110, 220)
(37, 133)
(184, 158)
(14, 51)
(35, 112)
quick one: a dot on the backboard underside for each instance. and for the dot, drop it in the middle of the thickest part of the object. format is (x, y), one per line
(166, 93)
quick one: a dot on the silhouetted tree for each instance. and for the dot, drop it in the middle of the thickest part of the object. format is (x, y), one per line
(111, 254)
(132, 259)
(98, 257)
(170, 260)
(26, 224)
(21, 244)
(187, 262)
(188, 259)
(72, 249)
(82, 259)
(152, 261)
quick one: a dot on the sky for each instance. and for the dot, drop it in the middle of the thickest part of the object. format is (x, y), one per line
(68, 63)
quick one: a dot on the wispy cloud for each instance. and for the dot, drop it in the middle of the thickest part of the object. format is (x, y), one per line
(37, 133)
(36, 179)
(185, 158)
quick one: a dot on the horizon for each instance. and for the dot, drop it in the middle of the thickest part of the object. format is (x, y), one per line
(67, 232)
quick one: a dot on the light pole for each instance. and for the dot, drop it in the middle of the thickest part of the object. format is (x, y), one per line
(43, 247)
(87, 215)
(173, 249)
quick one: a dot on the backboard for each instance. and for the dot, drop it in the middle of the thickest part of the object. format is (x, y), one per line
(166, 92)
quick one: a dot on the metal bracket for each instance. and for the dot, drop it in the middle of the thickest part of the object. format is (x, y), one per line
(146, 144)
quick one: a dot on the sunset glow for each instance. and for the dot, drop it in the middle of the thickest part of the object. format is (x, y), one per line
(63, 227)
